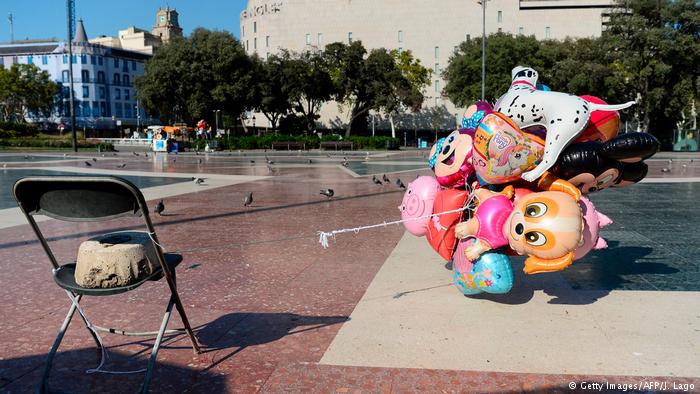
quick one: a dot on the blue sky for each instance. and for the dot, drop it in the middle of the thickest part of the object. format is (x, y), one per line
(37, 19)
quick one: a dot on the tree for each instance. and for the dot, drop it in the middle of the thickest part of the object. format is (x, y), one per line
(270, 88)
(25, 89)
(190, 78)
(307, 83)
(653, 48)
(406, 82)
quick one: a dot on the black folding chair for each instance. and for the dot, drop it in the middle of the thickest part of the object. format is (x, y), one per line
(89, 199)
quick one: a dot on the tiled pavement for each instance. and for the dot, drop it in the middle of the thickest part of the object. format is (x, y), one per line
(268, 301)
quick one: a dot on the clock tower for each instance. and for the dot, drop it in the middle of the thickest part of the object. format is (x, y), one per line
(167, 25)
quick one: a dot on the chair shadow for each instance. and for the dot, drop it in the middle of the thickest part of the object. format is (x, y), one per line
(587, 280)
(68, 373)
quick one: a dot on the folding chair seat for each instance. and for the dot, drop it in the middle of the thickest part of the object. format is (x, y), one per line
(91, 199)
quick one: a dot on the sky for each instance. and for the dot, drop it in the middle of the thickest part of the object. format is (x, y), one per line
(38, 19)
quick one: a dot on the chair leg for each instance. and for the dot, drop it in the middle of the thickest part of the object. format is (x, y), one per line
(186, 323)
(156, 347)
(44, 384)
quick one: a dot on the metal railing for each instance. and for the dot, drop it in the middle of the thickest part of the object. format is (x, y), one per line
(123, 141)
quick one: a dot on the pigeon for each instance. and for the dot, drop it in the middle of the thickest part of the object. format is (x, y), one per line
(146, 154)
(93, 159)
(135, 154)
(198, 181)
(378, 182)
(252, 162)
(670, 161)
(328, 193)
(64, 155)
(199, 161)
(685, 165)
(267, 159)
(248, 200)
(87, 163)
(160, 208)
(121, 165)
(665, 169)
(400, 184)
(374, 178)
(385, 179)
(269, 168)
(26, 157)
(174, 160)
(345, 164)
(311, 161)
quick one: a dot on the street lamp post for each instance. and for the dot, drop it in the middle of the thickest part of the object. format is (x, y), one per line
(138, 117)
(70, 75)
(483, 49)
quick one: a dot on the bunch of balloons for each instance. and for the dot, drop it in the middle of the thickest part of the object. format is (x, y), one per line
(513, 179)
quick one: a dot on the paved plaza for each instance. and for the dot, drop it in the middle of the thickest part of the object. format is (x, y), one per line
(376, 311)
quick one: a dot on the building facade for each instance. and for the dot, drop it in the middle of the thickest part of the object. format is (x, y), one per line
(432, 30)
(167, 26)
(103, 80)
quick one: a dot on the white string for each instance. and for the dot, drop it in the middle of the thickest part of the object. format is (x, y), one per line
(105, 355)
(323, 235)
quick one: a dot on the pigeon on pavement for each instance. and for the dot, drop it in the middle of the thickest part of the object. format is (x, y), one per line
(378, 182)
(328, 193)
(385, 179)
(160, 208)
(87, 163)
(121, 165)
(93, 159)
(248, 200)
(198, 181)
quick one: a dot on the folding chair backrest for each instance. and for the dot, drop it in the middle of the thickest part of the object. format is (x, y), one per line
(79, 198)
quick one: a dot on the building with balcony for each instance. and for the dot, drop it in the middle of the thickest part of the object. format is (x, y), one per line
(103, 79)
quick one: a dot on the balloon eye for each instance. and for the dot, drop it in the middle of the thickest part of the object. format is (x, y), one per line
(519, 228)
(535, 238)
(535, 210)
(409, 191)
(452, 138)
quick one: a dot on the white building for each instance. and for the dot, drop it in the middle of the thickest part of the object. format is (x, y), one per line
(432, 30)
(103, 79)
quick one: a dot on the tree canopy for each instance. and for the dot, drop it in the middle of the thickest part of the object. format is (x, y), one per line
(190, 78)
(25, 89)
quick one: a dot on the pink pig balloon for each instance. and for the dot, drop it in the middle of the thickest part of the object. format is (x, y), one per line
(593, 221)
(418, 201)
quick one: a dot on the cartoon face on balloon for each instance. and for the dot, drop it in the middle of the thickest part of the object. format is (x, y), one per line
(418, 202)
(546, 226)
(593, 166)
(502, 152)
(451, 158)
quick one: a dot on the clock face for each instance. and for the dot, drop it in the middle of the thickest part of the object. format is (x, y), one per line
(162, 18)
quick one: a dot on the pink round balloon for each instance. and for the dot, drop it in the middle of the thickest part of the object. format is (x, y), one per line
(593, 221)
(418, 201)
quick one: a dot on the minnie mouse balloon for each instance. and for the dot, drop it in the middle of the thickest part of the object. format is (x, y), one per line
(502, 152)
(451, 158)
(418, 202)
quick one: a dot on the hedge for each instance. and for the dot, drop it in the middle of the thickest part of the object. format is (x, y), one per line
(9, 129)
(311, 141)
(51, 143)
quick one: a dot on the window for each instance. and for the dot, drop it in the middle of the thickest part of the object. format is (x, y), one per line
(455, 49)
(64, 76)
(116, 62)
(86, 109)
(400, 49)
(117, 94)
(267, 41)
(500, 30)
(127, 94)
(118, 109)
(102, 92)
(436, 70)
(255, 43)
(308, 39)
(30, 59)
(255, 27)
(127, 110)
(85, 75)
(437, 52)
(133, 65)
(242, 31)
(437, 86)
(547, 32)
(469, 37)
(99, 60)
(126, 81)
(44, 59)
(319, 39)
(65, 59)
(437, 101)
(101, 77)
(521, 30)
(350, 37)
(74, 59)
(95, 108)
(103, 108)
(125, 65)
(83, 59)
(400, 38)
(116, 80)
(500, 16)
(86, 92)
(246, 45)
(93, 60)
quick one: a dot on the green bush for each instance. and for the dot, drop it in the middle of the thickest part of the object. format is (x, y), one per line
(377, 142)
(19, 129)
(52, 143)
(311, 141)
